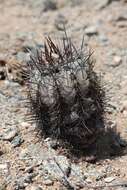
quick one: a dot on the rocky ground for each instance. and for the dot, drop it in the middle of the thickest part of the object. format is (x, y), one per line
(26, 162)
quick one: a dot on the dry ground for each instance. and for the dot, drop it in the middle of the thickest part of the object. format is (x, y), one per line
(24, 23)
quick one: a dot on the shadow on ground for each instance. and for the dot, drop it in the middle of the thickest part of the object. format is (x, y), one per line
(108, 145)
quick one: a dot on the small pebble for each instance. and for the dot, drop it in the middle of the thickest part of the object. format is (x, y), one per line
(109, 179)
(24, 124)
(33, 187)
(123, 106)
(48, 182)
(53, 168)
(121, 17)
(17, 141)
(91, 30)
(117, 60)
(9, 134)
(60, 22)
(102, 4)
(29, 169)
(4, 168)
(88, 180)
(103, 39)
(49, 5)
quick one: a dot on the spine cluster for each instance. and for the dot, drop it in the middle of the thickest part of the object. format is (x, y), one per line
(65, 96)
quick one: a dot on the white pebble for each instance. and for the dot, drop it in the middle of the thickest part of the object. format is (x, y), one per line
(109, 179)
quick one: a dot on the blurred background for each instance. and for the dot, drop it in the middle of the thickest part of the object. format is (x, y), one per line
(24, 24)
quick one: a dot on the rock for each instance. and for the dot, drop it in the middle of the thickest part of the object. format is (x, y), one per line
(53, 169)
(23, 181)
(28, 178)
(121, 17)
(79, 184)
(117, 61)
(3, 186)
(76, 170)
(124, 112)
(23, 36)
(29, 169)
(91, 30)
(19, 185)
(4, 168)
(25, 125)
(43, 5)
(49, 5)
(94, 175)
(2, 96)
(103, 39)
(9, 134)
(76, 174)
(88, 180)
(48, 182)
(123, 106)
(74, 3)
(35, 151)
(100, 176)
(60, 22)
(24, 154)
(109, 179)
(33, 187)
(13, 85)
(17, 141)
(52, 143)
(103, 4)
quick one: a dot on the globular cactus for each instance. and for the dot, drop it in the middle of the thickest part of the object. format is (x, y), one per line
(65, 96)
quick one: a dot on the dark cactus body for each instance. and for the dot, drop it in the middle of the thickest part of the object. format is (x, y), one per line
(65, 95)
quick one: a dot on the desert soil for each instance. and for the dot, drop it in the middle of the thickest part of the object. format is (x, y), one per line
(26, 161)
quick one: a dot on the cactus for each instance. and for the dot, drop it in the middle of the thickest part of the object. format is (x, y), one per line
(66, 98)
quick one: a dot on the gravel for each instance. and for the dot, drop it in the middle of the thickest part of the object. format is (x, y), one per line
(26, 160)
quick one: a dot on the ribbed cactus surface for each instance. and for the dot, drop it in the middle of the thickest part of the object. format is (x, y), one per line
(65, 96)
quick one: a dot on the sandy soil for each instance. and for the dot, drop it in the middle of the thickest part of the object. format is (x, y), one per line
(24, 23)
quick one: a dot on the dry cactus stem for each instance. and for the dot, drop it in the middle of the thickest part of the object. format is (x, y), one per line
(65, 96)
